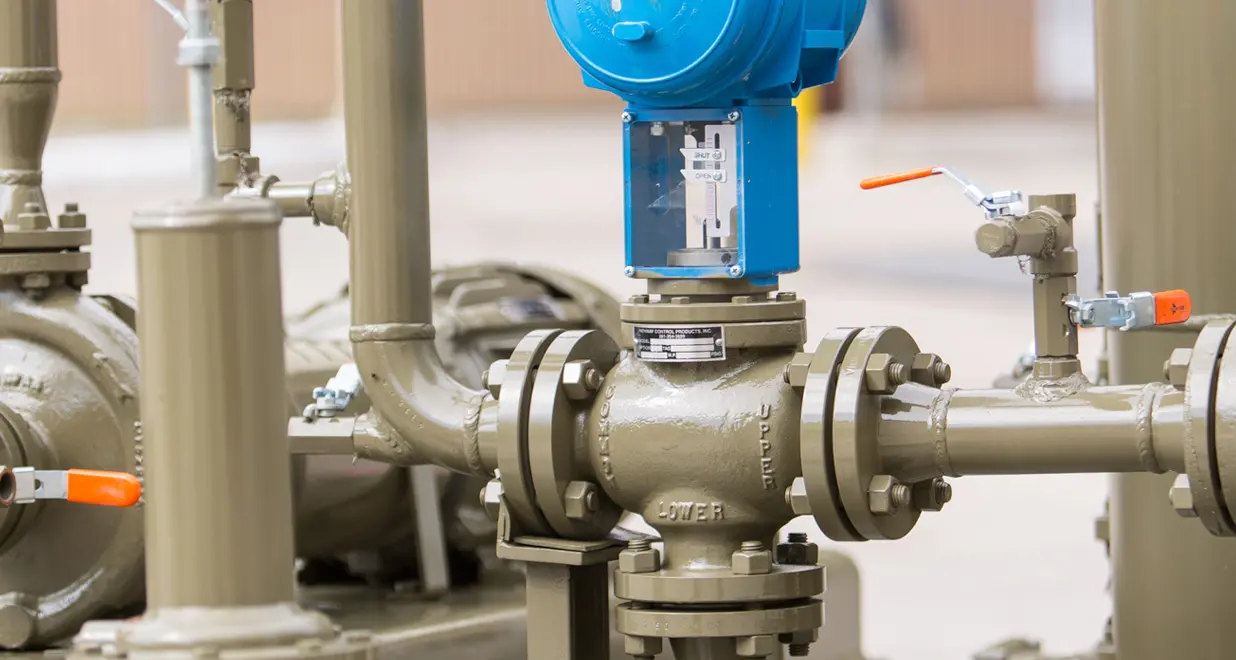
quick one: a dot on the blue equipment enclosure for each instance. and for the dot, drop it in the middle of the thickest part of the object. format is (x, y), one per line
(711, 144)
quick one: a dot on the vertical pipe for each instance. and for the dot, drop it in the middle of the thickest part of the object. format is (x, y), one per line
(384, 101)
(1166, 92)
(232, 23)
(197, 52)
(29, 80)
(219, 507)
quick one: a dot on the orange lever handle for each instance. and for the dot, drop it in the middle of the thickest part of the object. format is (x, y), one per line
(890, 179)
(1172, 307)
(103, 488)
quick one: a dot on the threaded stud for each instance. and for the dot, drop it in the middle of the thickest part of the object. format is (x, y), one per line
(639, 544)
(944, 491)
(797, 537)
(900, 495)
(752, 546)
(942, 372)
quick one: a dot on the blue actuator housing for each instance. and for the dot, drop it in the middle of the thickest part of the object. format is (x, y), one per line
(710, 133)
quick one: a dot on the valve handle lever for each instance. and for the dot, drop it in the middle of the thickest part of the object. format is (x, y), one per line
(25, 485)
(1142, 309)
(1007, 202)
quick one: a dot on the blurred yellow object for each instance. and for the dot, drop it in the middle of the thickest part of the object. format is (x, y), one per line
(809, 104)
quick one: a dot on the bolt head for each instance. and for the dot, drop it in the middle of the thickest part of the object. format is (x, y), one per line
(925, 372)
(627, 117)
(796, 496)
(931, 495)
(629, 271)
(880, 374)
(643, 646)
(639, 299)
(736, 271)
(580, 379)
(647, 560)
(494, 376)
(1181, 495)
(734, 115)
(882, 496)
(756, 646)
(491, 498)
(751, 562)
(1176, 370)
(581, 500)
(33, 218)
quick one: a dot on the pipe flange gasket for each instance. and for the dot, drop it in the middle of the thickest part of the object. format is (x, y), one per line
(815, 437)
(514, 402)
(640, 621)
(1210, 427)
(721, 586)
(855, 422)
(552, 435)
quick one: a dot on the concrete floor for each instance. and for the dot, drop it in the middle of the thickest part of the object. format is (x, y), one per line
(1010, 556)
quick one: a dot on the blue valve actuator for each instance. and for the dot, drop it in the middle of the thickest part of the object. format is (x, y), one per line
(710, 134)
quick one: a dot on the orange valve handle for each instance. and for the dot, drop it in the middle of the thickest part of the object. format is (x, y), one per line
(103, 488)
(1172, 307)
(890, 179)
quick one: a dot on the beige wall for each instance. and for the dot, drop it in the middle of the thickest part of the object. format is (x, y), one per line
(118, 58)
(971, 53)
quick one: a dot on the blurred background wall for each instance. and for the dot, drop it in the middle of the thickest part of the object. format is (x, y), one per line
(119, 69)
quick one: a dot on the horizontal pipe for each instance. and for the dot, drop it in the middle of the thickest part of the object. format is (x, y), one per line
(925, 432)
(422, 414)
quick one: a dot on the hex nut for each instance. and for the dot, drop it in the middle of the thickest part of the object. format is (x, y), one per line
(794, 553)
(1182, 497)
(796, 497)
(581, 500)
(580, 379)
(1176, 369)
(33, 218)
(800, 637)
(491, 498)
(36, 281)
(756, 646)
(886, 496)
(928, 369)
(646, 560)
(931, 495)
(883, 374)
(643, 646)
(493, 377)
(751, 562)
(17, 625)
(796, 370)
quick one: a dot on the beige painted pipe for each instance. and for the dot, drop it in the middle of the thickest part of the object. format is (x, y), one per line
(29, 80)
(426, 415)
(931, 432)
(231, 22)
(1166, 92)
(218, 486)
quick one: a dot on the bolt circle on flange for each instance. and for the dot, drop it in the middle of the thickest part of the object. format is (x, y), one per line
(1204, 473)
(815, 438)
(855, 418)
(512, 431)
(1223, 422)
(567, 378)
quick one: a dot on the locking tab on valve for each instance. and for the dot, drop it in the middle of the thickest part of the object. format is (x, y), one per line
(25, 485)
(1004, 203)
(1136, 310)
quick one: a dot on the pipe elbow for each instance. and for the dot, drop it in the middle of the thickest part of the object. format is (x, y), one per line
(420, 415)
